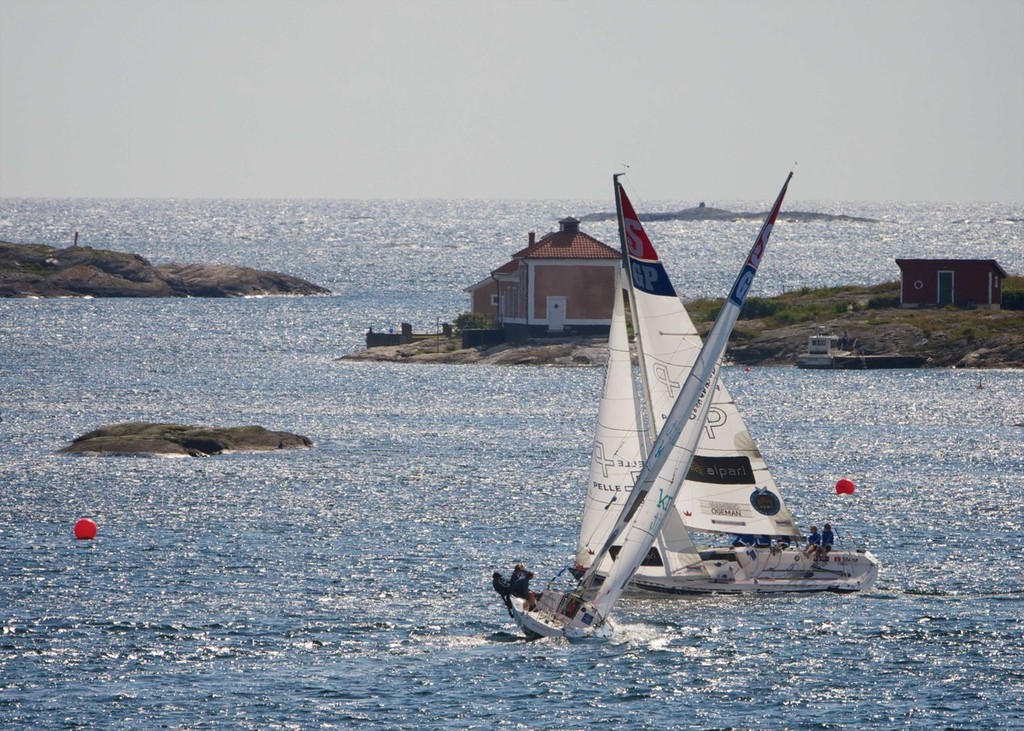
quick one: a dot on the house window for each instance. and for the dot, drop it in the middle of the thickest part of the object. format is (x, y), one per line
(494, 300)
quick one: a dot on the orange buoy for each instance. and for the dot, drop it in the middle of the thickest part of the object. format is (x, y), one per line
(85, 529)
(845, 487)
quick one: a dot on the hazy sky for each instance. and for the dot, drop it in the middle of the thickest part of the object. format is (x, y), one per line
(909, 100)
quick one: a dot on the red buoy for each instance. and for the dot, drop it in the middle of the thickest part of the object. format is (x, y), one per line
(85, 529)
(845, 487)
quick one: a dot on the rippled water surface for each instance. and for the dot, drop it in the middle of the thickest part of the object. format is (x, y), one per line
(347, 586)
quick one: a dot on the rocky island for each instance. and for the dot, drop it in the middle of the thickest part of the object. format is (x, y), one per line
(144, 438)
(708, 213)
(36, 270)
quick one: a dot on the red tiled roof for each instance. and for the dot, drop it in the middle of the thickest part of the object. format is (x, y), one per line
(567, 245)
(507, 268)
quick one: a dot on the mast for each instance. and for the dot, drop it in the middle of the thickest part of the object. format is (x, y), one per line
(651, 429)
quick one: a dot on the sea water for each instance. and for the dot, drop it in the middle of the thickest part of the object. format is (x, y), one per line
(347, 586)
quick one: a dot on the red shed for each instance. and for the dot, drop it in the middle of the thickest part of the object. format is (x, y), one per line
(960, 282)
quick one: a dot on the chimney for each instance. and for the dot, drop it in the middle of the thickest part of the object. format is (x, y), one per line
(533, 238)
(570, 225)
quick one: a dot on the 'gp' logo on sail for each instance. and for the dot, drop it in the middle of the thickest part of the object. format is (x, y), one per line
(743, 282)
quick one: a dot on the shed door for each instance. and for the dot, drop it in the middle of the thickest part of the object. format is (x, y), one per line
(945, 288)
(556, 314)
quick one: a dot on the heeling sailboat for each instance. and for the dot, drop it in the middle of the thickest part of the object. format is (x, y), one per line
(649, 505)
(728, 487)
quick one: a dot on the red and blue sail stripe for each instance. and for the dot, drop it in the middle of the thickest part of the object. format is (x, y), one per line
(645, 268)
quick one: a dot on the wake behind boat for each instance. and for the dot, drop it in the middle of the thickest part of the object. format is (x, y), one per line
(666, 441)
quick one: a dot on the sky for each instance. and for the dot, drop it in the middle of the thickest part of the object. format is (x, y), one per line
(895, 100)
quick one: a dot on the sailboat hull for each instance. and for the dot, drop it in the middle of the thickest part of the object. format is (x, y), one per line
(761, 571)
(543, 621)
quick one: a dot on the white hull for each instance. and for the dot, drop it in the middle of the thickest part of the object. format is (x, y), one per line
(762, 571)
(544, 621)
(807, 360)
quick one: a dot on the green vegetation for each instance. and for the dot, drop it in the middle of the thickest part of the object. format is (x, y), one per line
(859, 308)
(1013, 293)
(804, 305)
(471, 321)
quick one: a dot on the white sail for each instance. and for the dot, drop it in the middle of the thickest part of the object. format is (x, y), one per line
(729, 488)
(619, 453)
(616, 459)
(653, 497)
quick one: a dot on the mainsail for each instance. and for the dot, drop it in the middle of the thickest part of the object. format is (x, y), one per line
(728, 488)
(645, 511)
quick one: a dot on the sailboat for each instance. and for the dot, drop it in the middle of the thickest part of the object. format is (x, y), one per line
(649, 504)
(728, 488)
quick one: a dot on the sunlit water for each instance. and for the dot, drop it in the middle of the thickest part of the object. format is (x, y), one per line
(347, 586)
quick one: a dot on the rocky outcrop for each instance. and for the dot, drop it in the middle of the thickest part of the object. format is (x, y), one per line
(567, 352)
(144, 438)
(34, 270)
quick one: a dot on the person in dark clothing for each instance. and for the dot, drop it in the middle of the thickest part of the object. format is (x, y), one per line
(520, 587)
(502, 587)
(517, 574)
(827, 539)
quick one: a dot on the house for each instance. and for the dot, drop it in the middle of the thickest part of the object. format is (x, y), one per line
(959, 282)
(564, 282)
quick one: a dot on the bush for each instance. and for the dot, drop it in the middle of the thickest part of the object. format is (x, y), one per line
(883, 302)
(1013, 300)
(471, 321)
(758, 307)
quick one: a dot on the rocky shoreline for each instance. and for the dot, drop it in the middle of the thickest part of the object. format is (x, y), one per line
(36, 270)
(949, 347)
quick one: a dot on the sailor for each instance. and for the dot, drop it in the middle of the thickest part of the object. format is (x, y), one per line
(813, 541)
(517, 572)
(827, 539)
(520, 587)
(502, 587)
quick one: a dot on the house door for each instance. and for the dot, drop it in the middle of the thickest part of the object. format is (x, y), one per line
(556, 314)
(945, 288)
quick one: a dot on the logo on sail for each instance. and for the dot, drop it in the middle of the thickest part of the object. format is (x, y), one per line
(721, 470)
(743, 282)
(765, 502)
(650, 277)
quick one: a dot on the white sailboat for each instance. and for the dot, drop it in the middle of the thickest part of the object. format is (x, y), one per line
(648, 505)
(728, 488)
